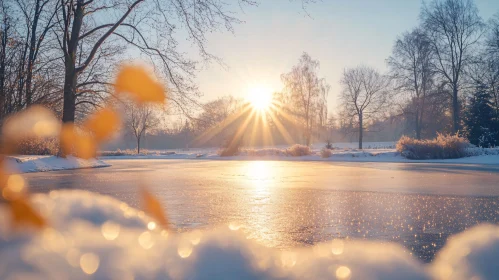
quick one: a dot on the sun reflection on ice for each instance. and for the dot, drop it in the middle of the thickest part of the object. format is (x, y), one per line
(259, 173)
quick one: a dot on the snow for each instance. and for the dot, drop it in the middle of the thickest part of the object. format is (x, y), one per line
(95, 236)
(25, 164)
(342, 152)
(470, 255)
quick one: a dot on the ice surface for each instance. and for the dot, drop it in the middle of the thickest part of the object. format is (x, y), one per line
(98, 237)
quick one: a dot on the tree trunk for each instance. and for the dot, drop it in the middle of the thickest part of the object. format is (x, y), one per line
(71, 76)
(308, 135)
(361, 130)
(418, 131)
(138, 145)
(3, 91)
(69, 107)
(455, 111)
(31, 55)
(22, 81)
(418, 126)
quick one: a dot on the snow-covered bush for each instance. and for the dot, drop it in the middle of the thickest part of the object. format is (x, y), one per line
(442, 147)
(325, 153)
(298, 150)
(478, 151)
(37, 146)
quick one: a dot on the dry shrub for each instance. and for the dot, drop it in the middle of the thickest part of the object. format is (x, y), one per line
(329, 145)
(326, 153)
(118, 152)
(442, 147)
(231, 147)
(133, 152)
(229, 151)
(37, 146)
(265, 152)
(298, 150)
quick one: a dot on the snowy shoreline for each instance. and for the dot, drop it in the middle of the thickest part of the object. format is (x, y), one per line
(350, 155)
(27, 164)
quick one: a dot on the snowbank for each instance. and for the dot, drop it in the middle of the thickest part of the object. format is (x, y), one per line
(477, 155)
(25, 164)
(95, 236)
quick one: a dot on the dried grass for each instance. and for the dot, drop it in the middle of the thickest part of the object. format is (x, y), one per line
(326, 153)
(37, 146)
(442, 147)
(133, 152)
(298, 150)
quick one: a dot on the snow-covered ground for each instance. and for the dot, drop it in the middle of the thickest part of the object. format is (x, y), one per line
(97, 237)
(25, 164)
(373, 152)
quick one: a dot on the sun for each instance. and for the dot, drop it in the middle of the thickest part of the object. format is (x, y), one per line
(260, 98)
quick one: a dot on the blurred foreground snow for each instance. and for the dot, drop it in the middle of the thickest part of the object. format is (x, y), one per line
(98, 237)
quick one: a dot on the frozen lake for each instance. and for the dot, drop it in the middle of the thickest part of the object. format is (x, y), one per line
(288, 204)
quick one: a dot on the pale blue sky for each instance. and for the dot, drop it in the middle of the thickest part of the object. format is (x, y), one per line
(338, 33)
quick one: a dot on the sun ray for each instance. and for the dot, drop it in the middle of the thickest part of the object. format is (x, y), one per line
(255, 127)
(267, 132)
(212, 132)
(240, 131)
(261, 131)
(282, 130)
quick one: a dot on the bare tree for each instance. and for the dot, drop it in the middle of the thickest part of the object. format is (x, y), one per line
(489, 62)
(26, 61)
(140, 120)
(218, 119)
(454, 28)
(39, 18)
(217, 112)
(410, 66)
(364, 95)
(150, 26)
(5, 27)
(307, 93)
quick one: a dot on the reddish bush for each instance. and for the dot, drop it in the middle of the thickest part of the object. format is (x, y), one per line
(298, 150)
(326, 153)
(37, 146)
(442, 147)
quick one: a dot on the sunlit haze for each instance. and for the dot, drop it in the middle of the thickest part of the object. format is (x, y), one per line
(260, 97)
(249, 139)
(339, 34)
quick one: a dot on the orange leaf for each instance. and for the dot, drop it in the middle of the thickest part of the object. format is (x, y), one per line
(24, 214)
(74, 142)
(138, 83)
(153, 208)
(14, 187)
(103, 123)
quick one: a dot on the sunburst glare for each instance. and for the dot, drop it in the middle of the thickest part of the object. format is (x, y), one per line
(260, 97)
(259, 173)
